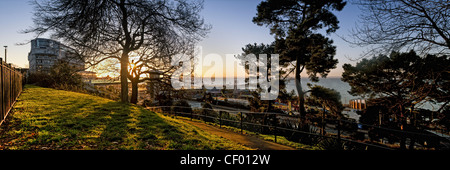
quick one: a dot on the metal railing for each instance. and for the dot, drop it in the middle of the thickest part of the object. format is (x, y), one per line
(10, 88)
(275, 124)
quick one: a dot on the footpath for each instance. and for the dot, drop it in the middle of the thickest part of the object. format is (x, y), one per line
(247, 140)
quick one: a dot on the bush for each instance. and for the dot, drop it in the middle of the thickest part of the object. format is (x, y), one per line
(147, 103)
(331, 144)
(303, 126)
(207, 110)
(227, 119)
(40, 79)
(164, 100)
(64, 73)
(62, 76)
(235, 105)
(74, 88)
(181, 107)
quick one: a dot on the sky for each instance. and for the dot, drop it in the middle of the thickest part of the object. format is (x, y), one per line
(231, 21)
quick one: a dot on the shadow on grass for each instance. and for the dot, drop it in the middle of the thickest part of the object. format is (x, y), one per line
(158, 133)
(116, 129)
(50, 119)
(132, 127)
(116, 125)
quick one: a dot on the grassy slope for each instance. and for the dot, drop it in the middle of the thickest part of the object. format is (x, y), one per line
(280, 139)
(53, 119)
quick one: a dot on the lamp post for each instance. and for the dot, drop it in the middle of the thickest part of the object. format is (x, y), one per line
(6, 47)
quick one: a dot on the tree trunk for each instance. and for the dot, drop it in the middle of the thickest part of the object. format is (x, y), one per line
(124, 77)
(298, 85)
(134, 90)
(270, 107)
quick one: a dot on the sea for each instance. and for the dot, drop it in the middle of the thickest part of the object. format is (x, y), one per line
(333, 83)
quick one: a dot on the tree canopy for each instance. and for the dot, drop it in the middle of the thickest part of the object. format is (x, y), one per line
(100, 30)
(400, 80)
(295, 24)
(329, 98)
(402, 25)
(256, 104)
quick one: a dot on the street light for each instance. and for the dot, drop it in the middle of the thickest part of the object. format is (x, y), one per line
(6, 61)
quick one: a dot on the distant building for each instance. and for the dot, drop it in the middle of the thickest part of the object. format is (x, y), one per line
(45, 53)
(88, 75)
(154, 86)
(214, 91)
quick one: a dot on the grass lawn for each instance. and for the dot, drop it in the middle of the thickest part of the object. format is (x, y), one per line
(45, 118)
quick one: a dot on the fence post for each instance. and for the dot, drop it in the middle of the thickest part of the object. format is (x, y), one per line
(220, 119)
(192, 115)
(323, 122)
(11, 82)
(241, 122)
(275, 127)
(339, 131)
(10, 79)
(204, 115)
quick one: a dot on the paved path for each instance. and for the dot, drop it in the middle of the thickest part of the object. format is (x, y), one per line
(249, 141)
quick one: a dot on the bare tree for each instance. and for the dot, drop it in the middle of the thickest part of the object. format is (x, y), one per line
(396, 25)
(156, 58)
(103, 29)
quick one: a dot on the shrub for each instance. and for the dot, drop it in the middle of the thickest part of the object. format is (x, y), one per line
(64, 73)
(71, 87)
(331, 144)
(227, 119)
(147, 103)
(181, 107)
(40, 79)
(207, 110)
(164, 100)
(303, 126)
(61, 76)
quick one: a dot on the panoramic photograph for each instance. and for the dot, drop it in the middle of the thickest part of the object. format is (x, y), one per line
(225, 75)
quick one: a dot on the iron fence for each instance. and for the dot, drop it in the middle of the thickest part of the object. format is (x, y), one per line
(10, 88)
(332, 133)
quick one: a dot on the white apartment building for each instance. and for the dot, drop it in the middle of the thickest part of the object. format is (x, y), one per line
(45, 53)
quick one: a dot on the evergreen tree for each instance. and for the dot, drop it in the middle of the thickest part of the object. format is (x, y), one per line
(400, 81)
(295, 24)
